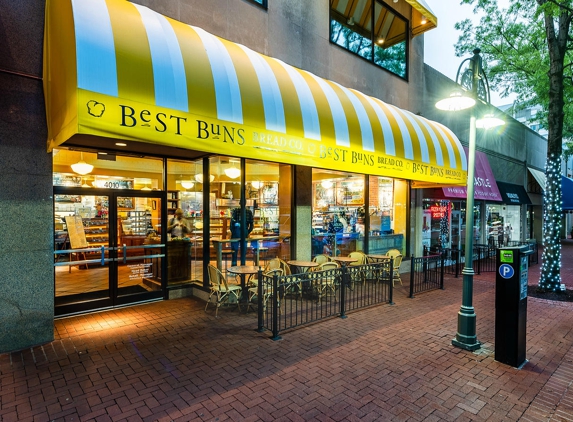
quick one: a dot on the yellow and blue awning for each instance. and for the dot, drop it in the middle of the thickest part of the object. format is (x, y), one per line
(116, 69)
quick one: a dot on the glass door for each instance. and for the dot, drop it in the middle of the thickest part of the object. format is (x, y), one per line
(82, 250)
(140, 252)
(108, 249)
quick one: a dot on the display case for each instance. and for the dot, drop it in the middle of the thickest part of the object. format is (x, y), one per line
(136, 223)
(96, 231)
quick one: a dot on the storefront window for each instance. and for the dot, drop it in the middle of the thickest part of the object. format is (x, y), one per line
(372, 31)
(387, 209)
(337, 213)
(444, 224)
(503, 224)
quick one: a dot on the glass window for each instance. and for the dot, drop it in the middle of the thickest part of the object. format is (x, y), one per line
(372, 31)
(337, 213)
(387, 212)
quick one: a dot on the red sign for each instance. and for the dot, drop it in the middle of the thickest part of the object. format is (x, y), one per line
(439, 211)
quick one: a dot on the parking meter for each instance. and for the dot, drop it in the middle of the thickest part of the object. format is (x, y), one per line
(511, 305)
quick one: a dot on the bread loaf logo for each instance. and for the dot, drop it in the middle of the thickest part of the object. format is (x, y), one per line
(95, 109)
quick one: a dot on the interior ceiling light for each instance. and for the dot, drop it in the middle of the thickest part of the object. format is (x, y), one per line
(257, 185)
(395, 1)
(187, 184)
(199, 177)
(380, 40)
(424, 21)
(326, 184)
(81, 167)
(121, 144)
(233, 172)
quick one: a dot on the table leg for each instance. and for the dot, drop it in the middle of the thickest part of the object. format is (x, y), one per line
(219, 249)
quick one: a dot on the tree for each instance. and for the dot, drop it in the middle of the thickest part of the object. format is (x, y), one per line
(528, 48)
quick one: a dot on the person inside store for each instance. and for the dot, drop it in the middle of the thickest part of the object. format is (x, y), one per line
(100, 211)
(236, 231)
(178, 225)
(335, 227)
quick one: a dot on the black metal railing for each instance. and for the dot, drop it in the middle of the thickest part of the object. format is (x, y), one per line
(426, 273)
(288, 301)
(452, 259)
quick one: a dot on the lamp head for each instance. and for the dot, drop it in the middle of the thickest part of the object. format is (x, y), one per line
(457, 101)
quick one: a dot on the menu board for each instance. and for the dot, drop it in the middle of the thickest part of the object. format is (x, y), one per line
(76, 232)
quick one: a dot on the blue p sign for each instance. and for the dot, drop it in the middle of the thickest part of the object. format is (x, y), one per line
(506, 271)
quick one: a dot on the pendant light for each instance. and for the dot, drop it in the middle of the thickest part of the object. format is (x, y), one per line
(187, 184)
(81, 167)
(233, 172)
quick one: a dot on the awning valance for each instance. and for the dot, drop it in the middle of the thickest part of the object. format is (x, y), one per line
(512, 194)
(116, 69)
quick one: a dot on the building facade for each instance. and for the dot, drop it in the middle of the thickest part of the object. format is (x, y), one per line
(315, 120)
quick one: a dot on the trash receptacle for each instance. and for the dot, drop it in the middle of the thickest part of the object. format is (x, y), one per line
(511, 305)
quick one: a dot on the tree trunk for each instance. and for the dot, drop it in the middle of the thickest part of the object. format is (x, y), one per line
(551, 258)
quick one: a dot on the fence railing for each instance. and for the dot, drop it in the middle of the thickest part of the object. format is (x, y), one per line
(426, 273)
(288, 301)
(484, 256)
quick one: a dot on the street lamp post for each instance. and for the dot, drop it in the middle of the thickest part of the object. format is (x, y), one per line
(475, 81)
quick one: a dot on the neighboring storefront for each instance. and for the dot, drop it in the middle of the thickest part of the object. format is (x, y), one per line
(444, 209)
(128, 90)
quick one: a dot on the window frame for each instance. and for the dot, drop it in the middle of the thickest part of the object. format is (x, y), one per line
(372, 40)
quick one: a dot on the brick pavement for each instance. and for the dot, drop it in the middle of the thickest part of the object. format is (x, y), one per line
(171, 361)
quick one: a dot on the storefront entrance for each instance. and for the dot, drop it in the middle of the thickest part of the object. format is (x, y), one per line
(108, 249)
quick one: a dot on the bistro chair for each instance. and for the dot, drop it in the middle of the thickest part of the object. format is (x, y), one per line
(393, 253)
(222, 290)
(396, 269)
(323, 279)
(362, 260)
(321, 258)
(267, 288)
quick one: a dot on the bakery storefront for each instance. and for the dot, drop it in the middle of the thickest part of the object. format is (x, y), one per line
(147, 116)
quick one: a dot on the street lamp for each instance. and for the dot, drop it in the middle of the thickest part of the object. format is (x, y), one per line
(474, 81)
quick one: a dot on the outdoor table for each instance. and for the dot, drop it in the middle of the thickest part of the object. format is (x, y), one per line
(303, 266)
(344, 260)
(242, 271)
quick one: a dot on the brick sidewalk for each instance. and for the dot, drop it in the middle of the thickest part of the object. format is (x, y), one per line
(170, 360)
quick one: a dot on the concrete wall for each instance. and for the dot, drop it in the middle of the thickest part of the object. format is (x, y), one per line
(26, 210)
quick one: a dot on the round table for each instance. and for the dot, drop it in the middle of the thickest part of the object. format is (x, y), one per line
(243, 270)
(344, 260)
(303, 266)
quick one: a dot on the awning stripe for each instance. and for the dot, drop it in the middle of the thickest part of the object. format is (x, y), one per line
(168, 70)
(406, 140)
(428, 131)
(365, 125)
(96, 64)
(307, 105)
(272, 98)
(389, 145)
(338, 116)
(227, 89)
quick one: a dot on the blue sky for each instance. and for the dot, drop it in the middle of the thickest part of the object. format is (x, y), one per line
(439, 43)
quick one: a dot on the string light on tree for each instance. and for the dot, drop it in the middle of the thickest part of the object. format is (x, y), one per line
(551, 257)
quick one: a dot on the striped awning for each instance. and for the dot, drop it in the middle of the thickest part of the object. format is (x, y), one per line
(116, 69)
